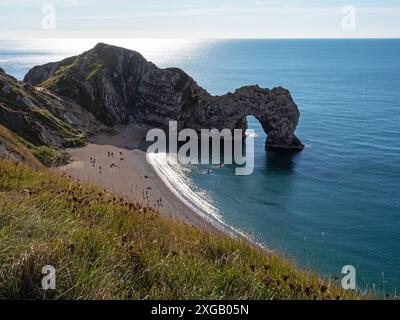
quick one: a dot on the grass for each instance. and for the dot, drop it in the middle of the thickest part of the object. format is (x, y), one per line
(32, 125)
(49, 156)
(93, 72)
(72, 65)
(63, 67)
(106, 247)
(71, 137)
(28, 142)
(15, 147)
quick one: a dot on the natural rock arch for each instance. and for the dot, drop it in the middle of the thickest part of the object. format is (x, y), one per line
(119, 85)
(274, 109)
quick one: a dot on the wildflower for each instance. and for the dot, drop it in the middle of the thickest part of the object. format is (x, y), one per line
(286, 277)
(267, 280)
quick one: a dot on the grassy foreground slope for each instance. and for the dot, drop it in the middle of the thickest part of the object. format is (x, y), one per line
(105, 247)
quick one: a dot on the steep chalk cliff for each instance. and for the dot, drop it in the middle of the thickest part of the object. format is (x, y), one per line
(117, 85)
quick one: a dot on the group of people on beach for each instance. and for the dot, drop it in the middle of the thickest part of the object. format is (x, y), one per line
(110, 154)
(145, 195)
(93, 163)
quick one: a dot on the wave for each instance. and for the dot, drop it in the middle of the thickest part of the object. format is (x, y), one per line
(175, 179)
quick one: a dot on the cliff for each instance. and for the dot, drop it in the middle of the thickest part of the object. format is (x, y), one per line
(117, 85)
(41, 120)
(12, 149)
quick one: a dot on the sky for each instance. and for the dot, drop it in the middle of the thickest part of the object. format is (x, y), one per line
(201, 19)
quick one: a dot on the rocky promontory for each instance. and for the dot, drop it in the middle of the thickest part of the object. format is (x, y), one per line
(59, 104)
(118, 85)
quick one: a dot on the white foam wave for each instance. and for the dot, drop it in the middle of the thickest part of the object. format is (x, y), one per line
(174, 178)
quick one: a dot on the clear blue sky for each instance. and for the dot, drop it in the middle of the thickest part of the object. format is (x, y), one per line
(201, 18)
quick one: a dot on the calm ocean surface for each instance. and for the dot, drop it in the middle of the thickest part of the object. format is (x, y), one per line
(335, 203)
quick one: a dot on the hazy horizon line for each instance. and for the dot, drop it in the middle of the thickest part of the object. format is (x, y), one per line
(201, 38)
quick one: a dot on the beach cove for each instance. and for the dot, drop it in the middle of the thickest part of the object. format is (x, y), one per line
(334, 204)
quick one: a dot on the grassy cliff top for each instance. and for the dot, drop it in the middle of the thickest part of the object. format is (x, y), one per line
(106, 247)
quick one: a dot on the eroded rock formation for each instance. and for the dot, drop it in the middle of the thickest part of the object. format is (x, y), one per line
(37, 121)
(117, 85)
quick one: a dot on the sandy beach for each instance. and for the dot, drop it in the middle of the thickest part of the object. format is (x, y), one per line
(116, 161)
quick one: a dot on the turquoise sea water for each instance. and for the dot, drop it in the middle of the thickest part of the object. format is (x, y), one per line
(335, 203)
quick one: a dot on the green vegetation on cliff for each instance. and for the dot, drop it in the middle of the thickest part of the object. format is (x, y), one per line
(43, 122)
(106, 247)
(13, 149)
(48, 155)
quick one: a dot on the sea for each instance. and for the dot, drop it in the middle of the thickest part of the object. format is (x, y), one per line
(337, 202)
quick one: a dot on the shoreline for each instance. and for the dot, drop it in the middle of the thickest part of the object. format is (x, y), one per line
(198, 205)
(146, 177)
(131, 174)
